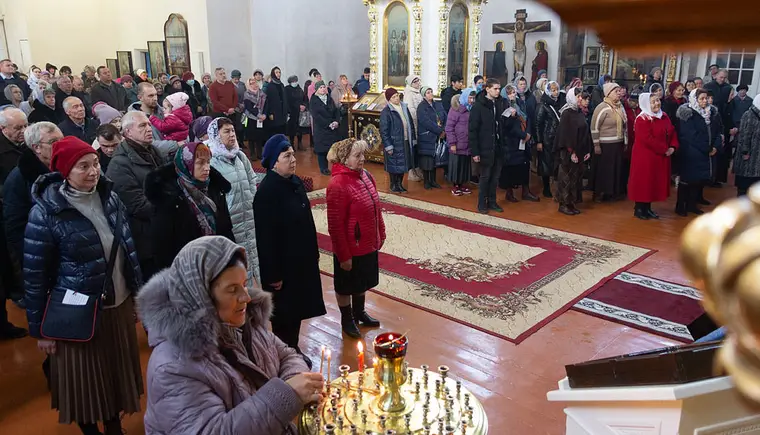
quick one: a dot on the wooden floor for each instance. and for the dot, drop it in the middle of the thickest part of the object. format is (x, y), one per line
(510, 380)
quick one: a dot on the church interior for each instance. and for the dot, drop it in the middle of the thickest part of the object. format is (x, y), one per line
(533, 321)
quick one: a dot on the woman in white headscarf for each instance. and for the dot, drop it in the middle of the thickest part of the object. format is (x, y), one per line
(34, 77)
(655, 142)
(413, 98)
(573, 147)
(232, 163)
(747, 158)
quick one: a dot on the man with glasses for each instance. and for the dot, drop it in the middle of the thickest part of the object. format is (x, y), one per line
(108, 137)
(486, 143)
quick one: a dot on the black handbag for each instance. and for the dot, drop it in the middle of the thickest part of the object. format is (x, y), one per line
(72, 316)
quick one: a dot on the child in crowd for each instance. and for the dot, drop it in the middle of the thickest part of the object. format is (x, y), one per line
(177, 117)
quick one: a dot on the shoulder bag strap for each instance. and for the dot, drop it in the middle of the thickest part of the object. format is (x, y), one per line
(108, 293)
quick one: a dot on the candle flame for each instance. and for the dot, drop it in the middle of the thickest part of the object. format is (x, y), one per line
(390, 337)
(360, 346)
(374, 361)
(329, 353)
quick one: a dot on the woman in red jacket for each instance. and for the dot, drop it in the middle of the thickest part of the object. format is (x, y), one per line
(655, 142)
(357, 230)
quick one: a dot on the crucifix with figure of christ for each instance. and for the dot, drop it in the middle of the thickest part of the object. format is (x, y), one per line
(520, 27)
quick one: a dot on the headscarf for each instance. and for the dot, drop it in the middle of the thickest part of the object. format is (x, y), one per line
(646, 108)
(517, 105)
(654, 87)
(516, 84)
(273, 77)
(32, 80)
(574, 83)
(8, 92)
(39, 95)
(464, 97)
(199, 127)
(756, 102)
(694, 104)
(257, 97)
(617, 108)
(214, 142)
(541, 88)
(571, 101)
(194, 190)
(423, 91)
(548, 91)
(410, 78)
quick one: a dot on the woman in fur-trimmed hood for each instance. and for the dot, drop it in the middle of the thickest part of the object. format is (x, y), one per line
(214, 362)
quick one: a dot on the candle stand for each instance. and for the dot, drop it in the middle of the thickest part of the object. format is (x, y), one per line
(394, 399)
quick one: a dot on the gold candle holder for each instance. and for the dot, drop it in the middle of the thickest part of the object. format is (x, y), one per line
(390, 349)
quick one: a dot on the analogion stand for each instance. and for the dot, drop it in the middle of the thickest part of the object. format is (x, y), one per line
(393, 399)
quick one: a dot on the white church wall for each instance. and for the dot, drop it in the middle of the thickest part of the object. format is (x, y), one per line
(330, 35)
(90, 31)
(503, 11)
(230, 36)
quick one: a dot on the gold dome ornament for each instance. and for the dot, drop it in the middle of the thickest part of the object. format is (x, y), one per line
(721, 251)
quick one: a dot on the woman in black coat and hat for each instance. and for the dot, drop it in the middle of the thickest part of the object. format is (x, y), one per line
(547, 122)
(277, 106)
(514, 126)
(326, 120)
(399, 139)
(190, 202)
(286, 239)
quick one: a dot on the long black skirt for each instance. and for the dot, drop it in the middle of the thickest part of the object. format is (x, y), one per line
(514, 176)
(364, 275)
(426, 163)
(460, 169)
(608, 170)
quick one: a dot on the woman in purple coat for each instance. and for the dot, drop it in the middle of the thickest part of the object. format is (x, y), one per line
(460, 169)
(215, 366)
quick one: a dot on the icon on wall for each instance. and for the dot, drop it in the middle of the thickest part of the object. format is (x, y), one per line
(177, 45)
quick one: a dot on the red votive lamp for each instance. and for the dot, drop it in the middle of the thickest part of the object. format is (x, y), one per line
(390, 345)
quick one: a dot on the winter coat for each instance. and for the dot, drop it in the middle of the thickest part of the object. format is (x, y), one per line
(128, 171)
(361, 87)
(392, 135)
(738, 108)
(485, 140)
(131, 94)
(721, 94)
(243, 182)
(748, 145)
(15, 80)
(114, 95)
(529, 106)
(670, 106)
(294, 97)
(192, 387)
(322, 116)
(696, 140)
(86, 133)
(630, 116)
(514, 130)
(649, 180)
(446, 96)
(547, 122)
(60, 96)
(176, 125)
(457, 125)
(286, 238)
(174, 224)
(9, 157)
(166, 147)
(431, 121)
(62, 249)
(277, 106)
(354, 214)
(17, 198)
(197, 97)
(43, 112)
(573, 134)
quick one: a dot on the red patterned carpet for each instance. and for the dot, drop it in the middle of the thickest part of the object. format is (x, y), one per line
(645, 303)
(499, 276)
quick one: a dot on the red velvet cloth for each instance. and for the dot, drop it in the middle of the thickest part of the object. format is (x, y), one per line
(650, 167)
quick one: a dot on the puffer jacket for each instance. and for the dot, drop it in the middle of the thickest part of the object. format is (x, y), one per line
(485, 117)
(354, 214)
(431, 120)
(748, 145)
(547, 122)
(457, 125)
(392, 134)
(176, 125)
(697, 140)
(167, 147)
(193, 389)
(62, 249)
(239, 173)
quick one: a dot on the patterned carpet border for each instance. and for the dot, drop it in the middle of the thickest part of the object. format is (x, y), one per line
(559, 270)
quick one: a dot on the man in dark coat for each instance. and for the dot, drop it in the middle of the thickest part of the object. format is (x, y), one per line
(12, 126)
(77, 124)
(108, 91)
(722, 91)
(326, 120)
(8, 76)
(286, 239)
(65, 89)
(486, 143)
(362, 85)
(133, 160)
(457, 83)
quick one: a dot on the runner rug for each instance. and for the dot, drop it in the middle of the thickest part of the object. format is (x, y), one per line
(655, 306)
(502, 277)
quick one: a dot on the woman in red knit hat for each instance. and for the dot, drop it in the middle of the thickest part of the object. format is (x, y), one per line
(80, 274)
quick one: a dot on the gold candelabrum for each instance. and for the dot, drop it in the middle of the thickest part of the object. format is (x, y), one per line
(393, 399)
(348, 100)
(720, 250)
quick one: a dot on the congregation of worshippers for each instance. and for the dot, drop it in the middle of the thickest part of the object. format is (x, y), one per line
(131, 194)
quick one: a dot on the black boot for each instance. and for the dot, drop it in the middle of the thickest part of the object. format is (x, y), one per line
(527, 195)
(511, 195)
(113, 426)
(395, 184)
(701, 196)
(640, 212)
(650, 212)
(681, 199)
(89, 429)
(547, 187)
(347, 322)
(693, 199)
(434, 183)
(426, 177)
(401, 183)
(360, 314)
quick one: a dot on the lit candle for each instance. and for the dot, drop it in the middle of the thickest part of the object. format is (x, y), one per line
(329, 358)
(322, 359)
(374, 363)
(360, 347)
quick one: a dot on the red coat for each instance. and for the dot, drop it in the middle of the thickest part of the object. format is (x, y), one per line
(631, 114)
(650, 167)
(354, 214)
(176, 125)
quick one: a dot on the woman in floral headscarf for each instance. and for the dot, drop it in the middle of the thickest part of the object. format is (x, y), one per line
(189, 200)
(254, 101)
(232, 163)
